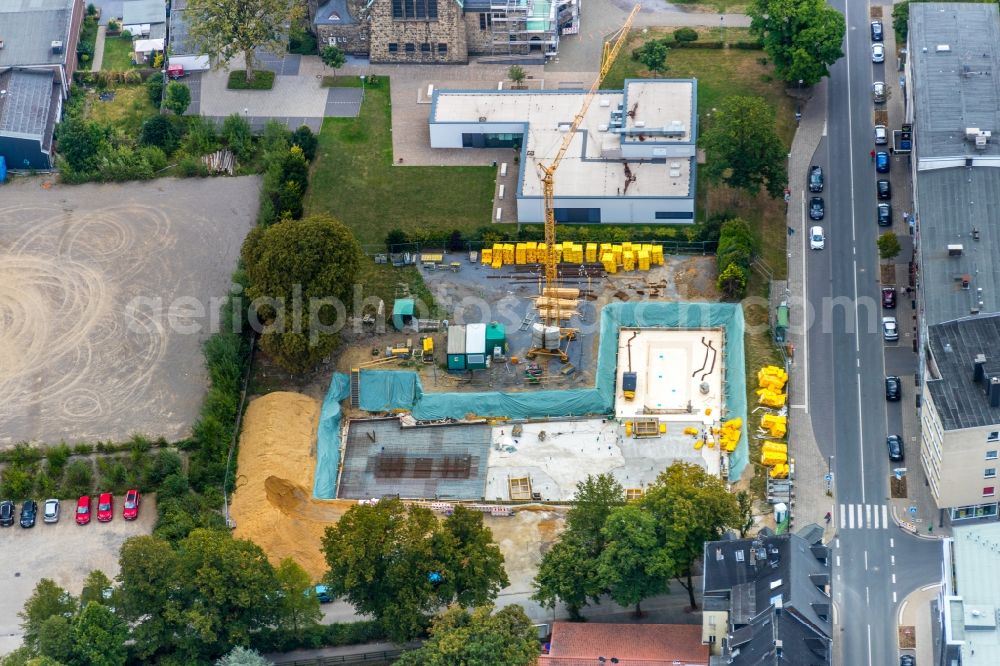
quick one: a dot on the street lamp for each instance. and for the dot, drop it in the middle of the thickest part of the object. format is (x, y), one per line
(362, 77)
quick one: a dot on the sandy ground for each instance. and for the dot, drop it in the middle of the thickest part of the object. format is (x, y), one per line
(107, 293)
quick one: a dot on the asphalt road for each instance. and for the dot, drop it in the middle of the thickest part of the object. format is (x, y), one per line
(876, 564)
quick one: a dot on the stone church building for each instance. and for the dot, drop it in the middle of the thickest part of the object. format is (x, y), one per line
(445, 31)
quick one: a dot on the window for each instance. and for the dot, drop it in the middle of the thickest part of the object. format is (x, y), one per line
(989, 491)
(578, 215)
(410, 48)
(991, 454)
(442, 48)
(414, 9)
(990, 473)
(673, 215)
(425, 48)
(393, 47)
(485, 21)
(993, 436)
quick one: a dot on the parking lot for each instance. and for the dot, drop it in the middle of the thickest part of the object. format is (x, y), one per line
(63, 551)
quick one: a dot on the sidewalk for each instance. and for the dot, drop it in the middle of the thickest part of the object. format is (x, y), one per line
(811, 502)
(916, 612)
(98, 49)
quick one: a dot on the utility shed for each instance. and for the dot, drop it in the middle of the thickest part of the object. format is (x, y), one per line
(402, 313)
(496, 336)
(456, 348)
(475, 346)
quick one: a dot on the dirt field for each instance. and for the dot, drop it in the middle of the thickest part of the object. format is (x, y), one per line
(94, 341)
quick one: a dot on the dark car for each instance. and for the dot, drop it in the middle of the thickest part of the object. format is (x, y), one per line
(816, 208)
(884, 189)
(888, 297)
(882, 161)
(876, 31)
(6, 513)
(893, 388)
(895, 445)
(907, 660)
(884, 215)
(29, 510)
(815, 179)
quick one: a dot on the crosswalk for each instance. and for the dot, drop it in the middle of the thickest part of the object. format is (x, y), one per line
(864, 516)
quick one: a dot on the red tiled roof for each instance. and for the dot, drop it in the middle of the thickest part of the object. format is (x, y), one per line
(633, 644)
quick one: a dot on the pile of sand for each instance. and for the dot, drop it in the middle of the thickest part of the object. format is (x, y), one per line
(273, 504)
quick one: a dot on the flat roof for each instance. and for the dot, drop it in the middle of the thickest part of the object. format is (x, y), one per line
(960, 401)
(137, 12)
(976, 556)
(25, 106)
(28, 28)
(956, 76)
(593, 165)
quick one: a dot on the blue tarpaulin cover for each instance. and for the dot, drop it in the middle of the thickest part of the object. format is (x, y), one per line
(328, 438)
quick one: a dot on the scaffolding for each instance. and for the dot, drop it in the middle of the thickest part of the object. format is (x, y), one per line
(519, 27)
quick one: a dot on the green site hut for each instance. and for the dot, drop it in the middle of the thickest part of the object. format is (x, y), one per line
(402, 313)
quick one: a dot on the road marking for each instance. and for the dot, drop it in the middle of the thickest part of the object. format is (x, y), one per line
(850, 517)
(842, 524)
(885, 515)
(894, 596)
(869, 645)
(868, 515)
(841, 513)
(893, 579)
(866, 560)
(892, 542)
(805, 299)
(838, 561)
(892, 560)
(868, 600)
(876, 518)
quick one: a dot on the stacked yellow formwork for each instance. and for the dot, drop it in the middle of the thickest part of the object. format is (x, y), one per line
(628, 260)
(486, 256)
(608, 260)
(729, 434)
(772, 377)
(773, 399)
(643, 260)
(591, 252)
(776, 426)
(520, 254)
(623, 256)
(531, 252)
(657, 255)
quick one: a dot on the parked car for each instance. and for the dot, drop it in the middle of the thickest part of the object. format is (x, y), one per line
(884, 189)
(29, 511)
(882, 161)
(881, 135)
(878, 52)
(130, 511)
(907, 660)
(884, 215)
(878, 92)
(105, 508)
(888, 297)
(6, 513)
(895, 445)
(815, 178)
(889, 330)
(876, 31)
(816, 208)
(322, 593)
(893, 388)
(817, 241)
(83, 510)
(50, 514)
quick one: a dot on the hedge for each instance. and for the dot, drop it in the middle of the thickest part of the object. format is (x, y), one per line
(748, 46)
(698, 45)
(321, 635)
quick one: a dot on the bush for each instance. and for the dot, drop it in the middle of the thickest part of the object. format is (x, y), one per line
(79, 479)
(192, 167)
(57, 457)
(332, 57)
(45, 484)
(83, 449)
(178, 98)
(686, 35)
(154, 88)
(91, 10)
(304, 138)
(330, 635)
(159, 131)
(700, 45)
(160, 466)
(201, 137)
(262, 80)
(125, 163)
(16, 482)
(236, 131)
(302, 41)
(114, 476)
(748, 46)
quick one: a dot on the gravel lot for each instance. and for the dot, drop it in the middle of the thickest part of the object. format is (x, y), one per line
(63, 551)
(81, 359)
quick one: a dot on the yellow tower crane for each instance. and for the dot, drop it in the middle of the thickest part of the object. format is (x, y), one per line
(547, 174)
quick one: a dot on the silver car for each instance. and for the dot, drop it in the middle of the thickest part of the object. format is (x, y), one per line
(889, 330)
(878, 52)
(51, 512)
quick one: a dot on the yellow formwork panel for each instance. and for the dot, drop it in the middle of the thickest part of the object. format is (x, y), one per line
(643, 260)
(508, 253)
(498, 261)
(628, 260)
(531, 252)
(520, 254)
(616, 251)
(657, 255)
(627, 247)
(540, 253)
(486, 256)
(609, 263)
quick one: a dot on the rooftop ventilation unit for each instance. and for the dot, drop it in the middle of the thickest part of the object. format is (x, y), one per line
(943, 48)
(955, 250)
(1, 43)
(57, 47)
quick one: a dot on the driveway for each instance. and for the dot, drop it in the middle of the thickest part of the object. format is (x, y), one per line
(110, 9)
(63, 551)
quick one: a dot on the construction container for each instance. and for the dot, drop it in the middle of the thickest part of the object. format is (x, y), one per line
(496, 338)
(456, 348)
(402, 313)
(475, 346)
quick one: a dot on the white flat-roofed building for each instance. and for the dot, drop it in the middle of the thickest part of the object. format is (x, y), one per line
(631, 161)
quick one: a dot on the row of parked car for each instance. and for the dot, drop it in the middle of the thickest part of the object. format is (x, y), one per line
(84, 510)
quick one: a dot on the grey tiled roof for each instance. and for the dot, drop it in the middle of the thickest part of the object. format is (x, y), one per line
(28, 28)
(334, 12)
(960, 401)
(27, 102)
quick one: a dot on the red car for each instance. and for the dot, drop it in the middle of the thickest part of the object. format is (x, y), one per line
(131, 509)
(83, 510)
(105, 508)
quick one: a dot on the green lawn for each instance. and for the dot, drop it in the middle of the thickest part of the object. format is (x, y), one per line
(263, 79)
(117, 54)
(354, 179)
(126, 112)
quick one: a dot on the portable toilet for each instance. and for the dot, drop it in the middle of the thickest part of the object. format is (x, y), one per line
(402, 313)
(496, 336)
(456, 348)
(475, 346)
(3, 169)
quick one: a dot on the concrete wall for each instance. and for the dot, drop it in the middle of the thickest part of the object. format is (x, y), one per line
(614, 210)
(448, 29)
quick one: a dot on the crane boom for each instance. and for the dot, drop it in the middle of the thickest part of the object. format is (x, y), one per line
(608, 55)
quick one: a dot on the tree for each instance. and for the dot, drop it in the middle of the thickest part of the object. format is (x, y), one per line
(227, 28)
(46, 601)
(302, 271)
(178, 97)
(304, 138)
(596, 497)
(241, 656)
(298, 609)
(653, 55)
(332, 57)
(632, 565)
(239, 138)
(400, 564)
(149, 578)
(95, 588)
(158, 131)
(888, 246)
(690, 507)
(901, 21)
(395, 239)
(99, 637)
(517, 75)
(79, 142)
(477, 638)
(732, 282)
(736, 244)
(745, 502)
(568, 574)
(56, 640)
(803, 37)
(744, 150)
(154, 89)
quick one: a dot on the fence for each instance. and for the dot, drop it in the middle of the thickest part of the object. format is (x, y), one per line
(371, 658)
(670, 246)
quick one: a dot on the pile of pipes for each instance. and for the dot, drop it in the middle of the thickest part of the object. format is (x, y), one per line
(557, 303)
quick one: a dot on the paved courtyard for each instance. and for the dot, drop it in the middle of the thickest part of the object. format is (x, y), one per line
(81, 359)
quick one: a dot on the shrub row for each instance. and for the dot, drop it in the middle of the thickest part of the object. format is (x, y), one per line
(331, 635)
(733, 257)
